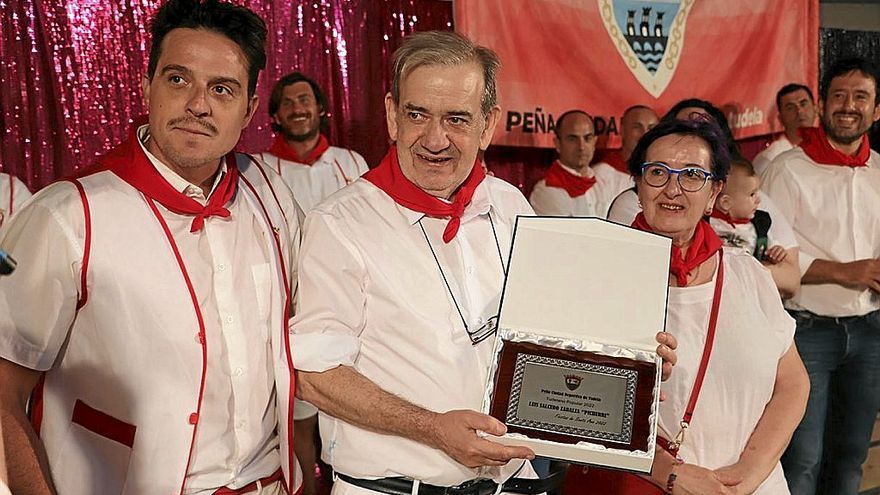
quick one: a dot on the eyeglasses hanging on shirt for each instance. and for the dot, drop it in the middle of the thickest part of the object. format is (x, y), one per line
(491, 325)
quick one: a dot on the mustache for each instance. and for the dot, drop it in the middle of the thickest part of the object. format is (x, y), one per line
(187, 121)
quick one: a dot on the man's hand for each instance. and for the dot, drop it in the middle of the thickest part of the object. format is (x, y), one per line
(860, 275)
(666, 350)
(775, 255)
(456, 433)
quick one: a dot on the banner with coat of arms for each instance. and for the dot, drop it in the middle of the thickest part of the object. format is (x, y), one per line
(603, 56)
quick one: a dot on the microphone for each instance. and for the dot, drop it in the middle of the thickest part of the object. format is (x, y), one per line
(7, 263)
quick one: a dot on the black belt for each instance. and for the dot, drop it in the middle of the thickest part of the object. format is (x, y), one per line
(404, 486)
(839, 320)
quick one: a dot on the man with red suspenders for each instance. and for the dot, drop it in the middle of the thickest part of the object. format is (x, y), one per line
(13, 193)
(300, 152)
(150, 303)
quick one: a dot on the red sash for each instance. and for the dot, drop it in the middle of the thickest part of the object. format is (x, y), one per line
(130, 163)
(720, 215)
(389, 178)
(815, 144)
(574, 185)
(282, 149)
(705, 244)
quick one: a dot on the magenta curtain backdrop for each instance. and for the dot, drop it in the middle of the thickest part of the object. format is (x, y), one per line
(71, 71)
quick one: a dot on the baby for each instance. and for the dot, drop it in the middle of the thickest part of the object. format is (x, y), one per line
(737, 220)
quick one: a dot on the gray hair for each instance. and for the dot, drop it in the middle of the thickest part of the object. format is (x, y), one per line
(445, 48)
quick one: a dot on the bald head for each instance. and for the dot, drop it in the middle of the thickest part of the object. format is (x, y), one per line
(636, 121)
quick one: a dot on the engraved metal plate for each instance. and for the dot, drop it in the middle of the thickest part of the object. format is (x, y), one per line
(567, 397)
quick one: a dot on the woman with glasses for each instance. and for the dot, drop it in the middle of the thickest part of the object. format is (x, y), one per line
(739, 388)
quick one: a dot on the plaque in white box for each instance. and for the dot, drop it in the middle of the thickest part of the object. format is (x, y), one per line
(575, 374)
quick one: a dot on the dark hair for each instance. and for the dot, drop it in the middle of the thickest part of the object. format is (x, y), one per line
(714, 112)
(239, 24)
(706, 130)
(791, 88)
(558, 125)
(293, 78)
(845, 66)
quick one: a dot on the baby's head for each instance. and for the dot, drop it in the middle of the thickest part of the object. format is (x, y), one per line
(739, 197)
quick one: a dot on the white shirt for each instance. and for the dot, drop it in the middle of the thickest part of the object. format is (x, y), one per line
(230, 270)
(236, 441)
(626, 206)
(371, 296)
(311, 184)
(752, 328)
(835, 214)
(555, 201)
(13, 194)
(764, 158)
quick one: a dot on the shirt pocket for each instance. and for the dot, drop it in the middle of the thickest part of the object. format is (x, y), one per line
(99, 439)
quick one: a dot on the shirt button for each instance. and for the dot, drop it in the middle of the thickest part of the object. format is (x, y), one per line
(240, 424)
(221, 267)
(200, 338)
(229, 319)
(193, 418)
(238, 371)
(470, 270)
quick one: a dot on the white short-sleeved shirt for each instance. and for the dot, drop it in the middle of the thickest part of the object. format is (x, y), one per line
(555, 201)
(764, 158)
(752, 328)
(372, 297)
(311, 184)
(13, 194)
(835, 214)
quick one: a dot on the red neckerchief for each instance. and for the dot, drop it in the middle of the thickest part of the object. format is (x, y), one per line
(613, 158)
(282, 149)
(389, 178)
(816, 145)
(574, 185)
(720, 215)
(705, 244)
(130, 163)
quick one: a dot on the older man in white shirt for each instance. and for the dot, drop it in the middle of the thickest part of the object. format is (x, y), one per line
(401, 274)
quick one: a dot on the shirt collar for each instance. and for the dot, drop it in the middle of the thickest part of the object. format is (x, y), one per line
(588, 170)
(177, 182)
(480, 204)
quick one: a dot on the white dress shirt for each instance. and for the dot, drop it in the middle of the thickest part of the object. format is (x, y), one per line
(835, 214)
(763, 159)
(372, 297)
(752, 328)
(555, 201)
(311, 184)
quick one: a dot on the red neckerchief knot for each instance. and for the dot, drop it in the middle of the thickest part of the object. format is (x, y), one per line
(703, 246)
(282, 149)
(389, 178)
(129, 162)
(574, 185)
(720, 215)
(815, 144)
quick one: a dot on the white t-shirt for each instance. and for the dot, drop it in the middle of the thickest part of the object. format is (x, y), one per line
(764, 158)
(13, 194)
(835, 214)
(752, 328)
(311, 184)
(555, 201)
(371, 296)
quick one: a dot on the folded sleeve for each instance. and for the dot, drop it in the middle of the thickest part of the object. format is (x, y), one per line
(38, 300)
(330, 304)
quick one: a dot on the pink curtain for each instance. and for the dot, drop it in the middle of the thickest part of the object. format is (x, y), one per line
(71, 71)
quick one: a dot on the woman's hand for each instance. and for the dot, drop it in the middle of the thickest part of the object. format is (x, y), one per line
(695, 480)
(750, 479)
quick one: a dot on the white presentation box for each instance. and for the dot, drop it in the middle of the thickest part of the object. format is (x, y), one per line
(575, 374)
